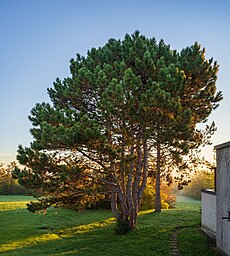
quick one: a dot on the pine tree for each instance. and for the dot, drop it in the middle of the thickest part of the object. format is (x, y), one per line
(123, 103)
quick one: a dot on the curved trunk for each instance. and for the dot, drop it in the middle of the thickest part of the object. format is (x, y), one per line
(128, 217)
(113, 204)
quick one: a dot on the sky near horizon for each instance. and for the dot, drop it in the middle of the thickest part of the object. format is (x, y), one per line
(39, 37)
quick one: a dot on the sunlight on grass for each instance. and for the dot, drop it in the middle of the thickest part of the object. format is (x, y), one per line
(9, 203)
(64, 233)
(70, 232)
(145, 212)
(91, 232)
(38, 239)
(8, 206)
(28, 242)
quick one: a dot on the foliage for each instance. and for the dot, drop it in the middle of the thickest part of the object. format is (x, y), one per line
(58, 232)
(12, 187)
(57, 180)
(198, 95)
(124, 103)
(8, 185)
(168, 200)
(4, 175)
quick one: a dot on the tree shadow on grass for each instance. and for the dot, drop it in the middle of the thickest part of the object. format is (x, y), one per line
(96, 238)
(51, 236)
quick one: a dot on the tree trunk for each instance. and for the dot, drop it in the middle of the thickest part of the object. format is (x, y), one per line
(145, 173)
(158, 182)
(128, 195)
(113, 203)
(129, 192)
(136, 184)
(129, 217)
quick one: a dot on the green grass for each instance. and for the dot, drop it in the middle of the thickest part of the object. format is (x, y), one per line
(14, 202)
(66, 232)
(9, 198)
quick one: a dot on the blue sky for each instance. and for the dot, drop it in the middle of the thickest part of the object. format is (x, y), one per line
(39, 37)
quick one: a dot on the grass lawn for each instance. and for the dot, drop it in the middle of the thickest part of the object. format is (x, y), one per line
(66, 232)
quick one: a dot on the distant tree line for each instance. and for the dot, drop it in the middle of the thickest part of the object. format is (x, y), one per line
(201, 179)
(9, 185)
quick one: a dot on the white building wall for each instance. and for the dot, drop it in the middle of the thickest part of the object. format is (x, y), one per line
(208, 221)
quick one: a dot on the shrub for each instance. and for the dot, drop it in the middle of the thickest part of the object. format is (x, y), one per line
(11, 187)
(168, 199)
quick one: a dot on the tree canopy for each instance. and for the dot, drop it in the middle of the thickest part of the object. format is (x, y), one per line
(124, 103)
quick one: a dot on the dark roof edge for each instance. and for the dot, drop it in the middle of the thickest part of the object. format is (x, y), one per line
(223, 145)
(208, 191)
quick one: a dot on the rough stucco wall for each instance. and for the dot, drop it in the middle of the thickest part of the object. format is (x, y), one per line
(223, 197)
(208, 213)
